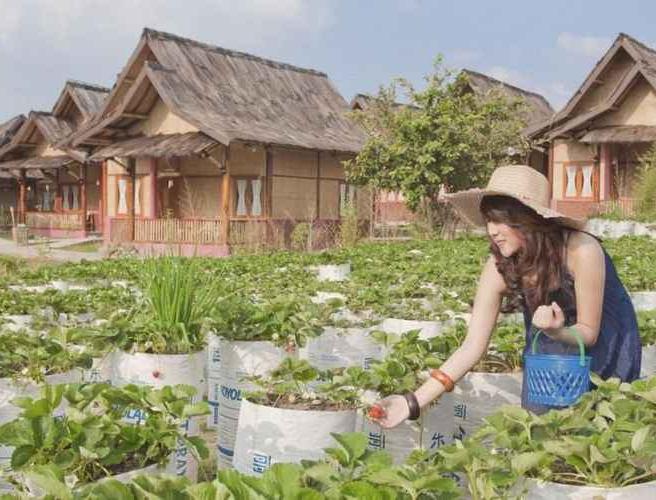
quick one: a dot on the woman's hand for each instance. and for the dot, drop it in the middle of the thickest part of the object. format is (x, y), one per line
(549, 319)
(394, 411)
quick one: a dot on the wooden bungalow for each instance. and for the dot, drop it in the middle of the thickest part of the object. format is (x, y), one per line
(207, 149)
(596, 140)
(56, 191)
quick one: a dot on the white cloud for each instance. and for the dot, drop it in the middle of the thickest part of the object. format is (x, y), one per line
(250, 23)
(45, 42)
(589, 46)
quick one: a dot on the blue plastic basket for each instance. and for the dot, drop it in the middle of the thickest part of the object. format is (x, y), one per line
(556, 380)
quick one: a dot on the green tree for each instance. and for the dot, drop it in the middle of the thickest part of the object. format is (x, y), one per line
(446, 136)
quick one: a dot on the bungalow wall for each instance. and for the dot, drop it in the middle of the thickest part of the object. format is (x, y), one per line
(610, 78)
(8, 197)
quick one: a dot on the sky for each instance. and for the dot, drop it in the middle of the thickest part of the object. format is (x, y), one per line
(547, 48)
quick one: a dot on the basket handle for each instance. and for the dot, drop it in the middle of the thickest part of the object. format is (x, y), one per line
(575, 333)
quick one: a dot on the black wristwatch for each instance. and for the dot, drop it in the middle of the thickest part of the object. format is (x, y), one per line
(413, 405)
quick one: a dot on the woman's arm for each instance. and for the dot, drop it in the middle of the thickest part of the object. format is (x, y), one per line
(483, 320)
(588, 265)
(484, 317)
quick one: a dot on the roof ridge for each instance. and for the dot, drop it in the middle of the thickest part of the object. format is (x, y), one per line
(524, 91)
(637, 42)
(149, 32)
(86, 85)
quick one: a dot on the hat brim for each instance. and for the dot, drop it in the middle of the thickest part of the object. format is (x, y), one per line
(467, 204)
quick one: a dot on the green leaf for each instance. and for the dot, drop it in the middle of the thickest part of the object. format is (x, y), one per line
(49, 480)
(22, 456)
(638, 439)
(523, 462)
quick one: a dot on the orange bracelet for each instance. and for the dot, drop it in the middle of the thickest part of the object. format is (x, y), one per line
(443, 379)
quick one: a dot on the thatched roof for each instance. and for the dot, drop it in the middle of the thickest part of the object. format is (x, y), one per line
(619, 134)
(37, 162)
(86, 97)
(568, 120)
(538, 108)
(158, 146)
(228, 95)
(9, 128)
(362, 101)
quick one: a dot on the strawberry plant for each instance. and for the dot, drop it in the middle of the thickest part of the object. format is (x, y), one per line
(606, 440)
(349, 471)
(93, 440)
(296, 384)
(33, 357)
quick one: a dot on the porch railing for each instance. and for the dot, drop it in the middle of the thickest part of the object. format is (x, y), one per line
(48, 220)
(248, 232)
(195, 231)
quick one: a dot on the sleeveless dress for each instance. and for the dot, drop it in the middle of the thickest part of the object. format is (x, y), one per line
(617, 352)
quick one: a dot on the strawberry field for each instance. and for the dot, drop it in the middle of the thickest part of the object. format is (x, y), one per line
(252, 377)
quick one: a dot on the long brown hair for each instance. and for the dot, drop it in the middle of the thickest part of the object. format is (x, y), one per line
(537, 268)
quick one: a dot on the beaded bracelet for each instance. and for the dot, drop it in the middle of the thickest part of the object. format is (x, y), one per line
(443, 379)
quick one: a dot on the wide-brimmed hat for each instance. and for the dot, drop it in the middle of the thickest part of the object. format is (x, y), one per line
(520, 182)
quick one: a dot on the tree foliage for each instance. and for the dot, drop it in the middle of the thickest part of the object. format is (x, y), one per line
(446, 135)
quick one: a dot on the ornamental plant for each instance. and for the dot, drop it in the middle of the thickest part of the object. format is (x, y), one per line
(93, 440)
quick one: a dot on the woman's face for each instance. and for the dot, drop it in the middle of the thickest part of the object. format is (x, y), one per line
(507, 239)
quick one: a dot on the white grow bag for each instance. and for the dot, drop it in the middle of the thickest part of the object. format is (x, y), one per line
(239, 359)
(159, 370)
(334, 272)
(273, 435)
(101, 371)
(10, 389)
(479, 395)
(427, 329)
(342, 347)
(538, 490)
(648, 363)
(214, 343)
(432, 431)
(643, 301)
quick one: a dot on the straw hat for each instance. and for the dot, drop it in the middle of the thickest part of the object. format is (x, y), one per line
(523, 183)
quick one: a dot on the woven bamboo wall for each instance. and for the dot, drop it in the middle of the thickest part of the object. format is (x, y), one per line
(199, 197)
(294, 198)
(247, 160)
(329, 199)
(638, 108)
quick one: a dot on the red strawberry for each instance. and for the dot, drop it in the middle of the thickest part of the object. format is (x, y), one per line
(376, 412)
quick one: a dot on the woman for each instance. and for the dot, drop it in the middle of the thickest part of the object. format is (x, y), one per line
(542, 262)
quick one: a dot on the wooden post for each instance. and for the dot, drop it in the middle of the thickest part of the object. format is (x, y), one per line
(83, 195)
(318, 205)
(268, 187)
(101, 198)
(153, 188)
(58, 192)
(225, 198)
(132, 172)
(22, 197)
(550, 175)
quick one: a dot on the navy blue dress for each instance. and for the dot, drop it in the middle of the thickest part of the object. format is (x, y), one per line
(617, 352)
